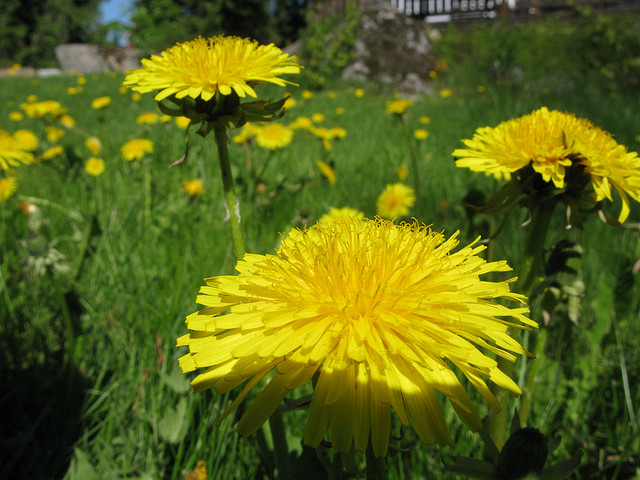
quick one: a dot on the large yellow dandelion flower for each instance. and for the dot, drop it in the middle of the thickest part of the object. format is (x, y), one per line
(553, 142)
(395, 201)
(201, 67)
(274, 136)
(381, 314)
(12, 152)
(136, 149)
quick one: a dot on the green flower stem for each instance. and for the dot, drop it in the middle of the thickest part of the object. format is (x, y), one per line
(530, 266)
(229, 191)
(414, 160)
(532, 372)
(280, 446)
(376, 468)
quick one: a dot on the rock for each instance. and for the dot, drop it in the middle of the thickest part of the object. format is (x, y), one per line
(392, 48)
(87, 58)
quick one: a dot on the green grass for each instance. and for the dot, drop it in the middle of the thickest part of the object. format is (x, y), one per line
(122, 409)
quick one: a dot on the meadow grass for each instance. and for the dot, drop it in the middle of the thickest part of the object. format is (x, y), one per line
(122, 409)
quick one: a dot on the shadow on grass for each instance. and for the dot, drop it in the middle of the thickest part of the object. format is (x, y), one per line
(40, 418)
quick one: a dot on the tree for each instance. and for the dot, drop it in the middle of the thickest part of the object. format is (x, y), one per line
(159, 24)
(31, 29)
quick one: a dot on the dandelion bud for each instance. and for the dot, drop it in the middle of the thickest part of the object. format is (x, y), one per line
(525, 452)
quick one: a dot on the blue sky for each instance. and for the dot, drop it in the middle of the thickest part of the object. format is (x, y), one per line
(112, 10)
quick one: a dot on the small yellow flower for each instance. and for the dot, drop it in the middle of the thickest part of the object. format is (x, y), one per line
(93, 145)
(340, 111)
(73, 90)
(307, 94)
(424, 120)
(193, 187)
(67, 121)
(8, 186)
(338, 132)
(359, 93)
(136, 149)
(247, 133)
(274, 136)
(289, 103)
(100, 103)
(123, 90)
(395, 201)
(26, 139)
(53, 133)
(402, 171)
(52, 152)
(398, 107)
(42, 109)
(82, 80)
(301, 123)
(135, 96)
(317, 118)
(433, 74)
(332, 95)
(16, 116)
(481, 89)
(339, 214)
(446, 92)
(148, 118)
(164, 118)
(182, 122)
(31, 98)
(198, 473)
(327, 171)
(94, 166)
(421, 134)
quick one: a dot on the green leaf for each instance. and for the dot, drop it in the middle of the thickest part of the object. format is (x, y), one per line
(172, 427)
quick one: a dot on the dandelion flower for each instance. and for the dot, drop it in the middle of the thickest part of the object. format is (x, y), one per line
(182, 122)
(8, 186)
(554, 143)
(339, 214)
(402, 171)
(420, 134)
(201, 67)
(424, 120)
(340, 111)
(53, 133)
(136, 149)
(307, 94)
(289, 103)
(94, 166)
(100, 103)
(327, 171)
(42, 109)
(359, 93)
(395, 201)
(317, 118)
(398, 107)
(12, 153)
(446, 92)
(193, 187)
(380, 313)
(67, 121)
(52, 152)
(301, 123)
(93, 145)
(274, 136)
(26, 139)
(148, 118)
(16, 116)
